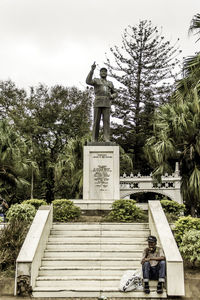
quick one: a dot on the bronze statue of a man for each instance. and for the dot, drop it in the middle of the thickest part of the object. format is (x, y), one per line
(104, 93)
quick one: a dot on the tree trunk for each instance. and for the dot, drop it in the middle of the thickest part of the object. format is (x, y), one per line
(32, 181)
(193, 211)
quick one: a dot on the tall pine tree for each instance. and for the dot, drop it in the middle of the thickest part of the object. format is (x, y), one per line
(144, 66)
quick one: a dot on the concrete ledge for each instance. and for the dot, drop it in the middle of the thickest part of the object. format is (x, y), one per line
(101, 144)
(30, 255)
(159, 227)
(101, 204)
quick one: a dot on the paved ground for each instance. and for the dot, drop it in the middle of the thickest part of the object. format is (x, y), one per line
(25, 298)
(13, 297)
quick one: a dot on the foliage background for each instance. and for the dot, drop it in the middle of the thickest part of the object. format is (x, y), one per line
(43, 130)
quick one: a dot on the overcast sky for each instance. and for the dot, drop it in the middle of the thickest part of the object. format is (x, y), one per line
(56, 41)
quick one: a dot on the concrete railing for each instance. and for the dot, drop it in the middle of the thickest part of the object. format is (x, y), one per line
(159, 227)
(30, 255)
(169, 186)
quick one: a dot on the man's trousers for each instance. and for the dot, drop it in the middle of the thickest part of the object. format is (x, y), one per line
(155, 273)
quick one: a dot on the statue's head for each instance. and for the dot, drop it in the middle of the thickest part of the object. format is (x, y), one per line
(103, 72)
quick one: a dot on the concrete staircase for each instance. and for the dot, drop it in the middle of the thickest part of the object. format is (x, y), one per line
(87, 260)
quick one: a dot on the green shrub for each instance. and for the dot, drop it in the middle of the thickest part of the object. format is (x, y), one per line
(21, 212)
(171, 218)
(11, 239)
(35, 202)
(184, 224)
(64, 210)
(172, 207)
(1, 219)
(190, 246)
(125, 211)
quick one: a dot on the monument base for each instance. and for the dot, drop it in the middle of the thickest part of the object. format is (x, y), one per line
(101, 172)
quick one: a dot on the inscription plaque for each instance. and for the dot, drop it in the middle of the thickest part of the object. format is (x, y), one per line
(101, 177)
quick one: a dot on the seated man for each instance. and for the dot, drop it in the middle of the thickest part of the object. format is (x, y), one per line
(153, 265)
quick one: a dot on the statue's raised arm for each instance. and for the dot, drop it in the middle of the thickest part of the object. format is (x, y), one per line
(90, 75)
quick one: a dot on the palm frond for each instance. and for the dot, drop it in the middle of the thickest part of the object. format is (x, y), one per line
(194, 182)
(195, 25)
(192, 66)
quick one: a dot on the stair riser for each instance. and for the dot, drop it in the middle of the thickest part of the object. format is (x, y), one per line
(96, 240)
(97, 247)
(96, 233)
(85, 255)
(74, 272)
(113, 227)
(76, 284)
(129, 264)
(95, 281)
(66, 294)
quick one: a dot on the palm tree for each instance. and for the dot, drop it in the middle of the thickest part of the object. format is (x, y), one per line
(192, 64)
(69, 166)
(14, 160)
(176, 131)
(177, 136)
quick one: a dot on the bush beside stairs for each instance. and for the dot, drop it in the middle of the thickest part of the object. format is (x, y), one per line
(87, 260)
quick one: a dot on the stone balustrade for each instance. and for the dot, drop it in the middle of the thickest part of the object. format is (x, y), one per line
(30, 255)
(169, 186)
(160, 228)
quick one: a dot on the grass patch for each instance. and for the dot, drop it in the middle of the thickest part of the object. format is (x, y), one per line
(8, 273)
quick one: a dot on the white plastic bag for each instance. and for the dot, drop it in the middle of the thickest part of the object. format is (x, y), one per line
(131, 281)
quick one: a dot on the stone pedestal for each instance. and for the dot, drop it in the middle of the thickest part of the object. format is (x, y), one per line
(101, 172)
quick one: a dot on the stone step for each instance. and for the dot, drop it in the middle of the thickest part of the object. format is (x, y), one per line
(95, 247)
(132, 263)
(78, 278)
(94, 292)
(100, 226)
(72, 281)
(82, 282)
(82, 271)
(96, 240)
(94, 254)
(101, 233)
